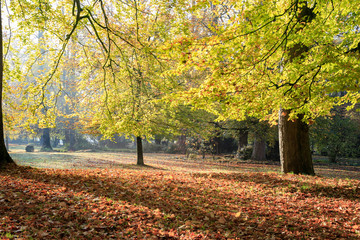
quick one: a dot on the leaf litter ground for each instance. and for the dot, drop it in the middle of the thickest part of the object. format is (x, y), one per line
(110, 198)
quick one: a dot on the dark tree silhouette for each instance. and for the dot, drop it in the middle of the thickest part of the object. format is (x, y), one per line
(4, 155)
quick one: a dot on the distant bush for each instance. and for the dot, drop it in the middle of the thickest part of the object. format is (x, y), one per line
(153, 147)
(246, 152)
(173, 149)
(81, 143)
(44, 149)
(29, 148)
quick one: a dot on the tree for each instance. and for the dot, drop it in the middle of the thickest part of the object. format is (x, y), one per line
(4, 155)
(271, 55)
(45, 140)
(261, 134)
(240, 131)
(37, 109)
(124, 77)
(128, 71)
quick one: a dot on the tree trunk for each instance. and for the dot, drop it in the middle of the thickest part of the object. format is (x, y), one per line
(56, 142)
(242, 142)
(273, 152)
(333, 155)
(139, 148)
(45, 143)
(259, 150)
(294, 145)
(181, 144)
(4, 155)
(70, 140)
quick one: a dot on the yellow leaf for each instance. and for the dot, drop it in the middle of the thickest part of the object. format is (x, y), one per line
(238, 214)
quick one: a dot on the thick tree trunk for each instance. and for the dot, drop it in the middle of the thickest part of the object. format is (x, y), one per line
(242, 142)
(139, 148)
(259, 150)
(45, 140)
(294, 145)
(4, 155)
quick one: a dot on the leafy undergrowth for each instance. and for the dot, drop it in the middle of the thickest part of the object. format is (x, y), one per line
(157, 204)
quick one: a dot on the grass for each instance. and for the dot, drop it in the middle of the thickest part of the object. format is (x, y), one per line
(169, 162)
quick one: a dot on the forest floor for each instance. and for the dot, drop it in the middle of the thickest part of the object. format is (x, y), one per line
(93, 195)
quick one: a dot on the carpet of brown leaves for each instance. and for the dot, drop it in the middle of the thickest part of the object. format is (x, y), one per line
(158, 203)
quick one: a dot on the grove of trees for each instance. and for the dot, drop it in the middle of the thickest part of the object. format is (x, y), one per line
(142, 68)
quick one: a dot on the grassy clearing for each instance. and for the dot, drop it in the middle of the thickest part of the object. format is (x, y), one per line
(120, 160)
(105, 196)
(168, 162)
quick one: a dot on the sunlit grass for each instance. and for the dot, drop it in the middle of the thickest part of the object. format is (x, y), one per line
(167, 162)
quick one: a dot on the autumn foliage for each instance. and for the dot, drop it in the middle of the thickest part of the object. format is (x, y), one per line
(157, 204)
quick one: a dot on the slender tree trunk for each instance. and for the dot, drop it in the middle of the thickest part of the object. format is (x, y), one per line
(333, 155)
(45, 144)
(294, 145)
(242, 142)
(139, 148)
(259, 150)
(4, 155)
(70, 139)
(56, 142)
(181, 144)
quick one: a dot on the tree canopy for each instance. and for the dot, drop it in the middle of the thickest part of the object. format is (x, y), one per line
(264, 55)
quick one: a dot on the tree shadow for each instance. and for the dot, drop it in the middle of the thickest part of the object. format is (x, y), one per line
(270, 181)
